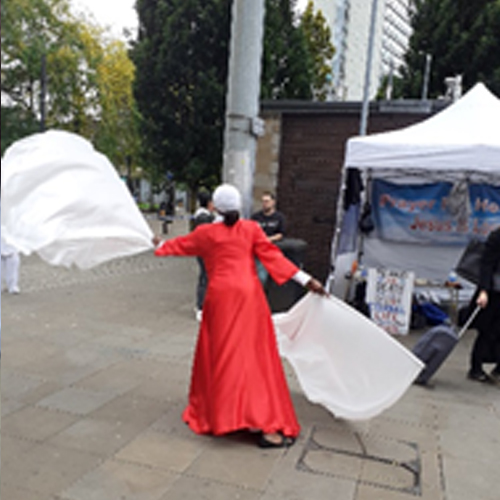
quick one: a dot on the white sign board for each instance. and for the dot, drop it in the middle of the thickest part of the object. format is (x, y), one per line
(389, 294)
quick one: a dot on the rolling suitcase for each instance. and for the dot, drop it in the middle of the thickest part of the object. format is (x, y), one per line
(435, 346)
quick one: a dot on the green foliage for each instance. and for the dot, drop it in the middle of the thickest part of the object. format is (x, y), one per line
(181, 57)
(89, 78)
(317, 36)
(462, 37)
(287, 65)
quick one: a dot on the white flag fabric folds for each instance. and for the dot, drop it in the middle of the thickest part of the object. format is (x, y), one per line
(64, 200)
(344, 361)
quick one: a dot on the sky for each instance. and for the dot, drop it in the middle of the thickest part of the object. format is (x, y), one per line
(119, 14)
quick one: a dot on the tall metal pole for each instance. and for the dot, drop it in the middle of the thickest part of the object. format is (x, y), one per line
(427, 73)
(242, 104)
(368, 69)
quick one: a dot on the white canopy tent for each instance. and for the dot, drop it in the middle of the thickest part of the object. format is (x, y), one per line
(459, 144)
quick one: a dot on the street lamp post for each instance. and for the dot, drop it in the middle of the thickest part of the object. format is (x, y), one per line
(366, 91)
(243, 125)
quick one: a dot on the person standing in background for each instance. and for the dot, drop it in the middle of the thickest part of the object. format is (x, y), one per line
(272, 223)
(10, 267)
(270, 220)
(203, 215)
(486, 347)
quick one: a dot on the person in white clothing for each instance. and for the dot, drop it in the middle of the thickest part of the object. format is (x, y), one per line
(10, 267)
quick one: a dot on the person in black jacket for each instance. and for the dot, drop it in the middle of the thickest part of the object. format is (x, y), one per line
(204, 215)
(486, 347)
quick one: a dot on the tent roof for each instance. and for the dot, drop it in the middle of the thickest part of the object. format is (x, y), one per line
(464, 136)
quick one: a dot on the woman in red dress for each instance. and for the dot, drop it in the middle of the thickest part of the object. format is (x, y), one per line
(237, 378)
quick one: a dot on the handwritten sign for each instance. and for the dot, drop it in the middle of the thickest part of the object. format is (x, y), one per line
(389, 294)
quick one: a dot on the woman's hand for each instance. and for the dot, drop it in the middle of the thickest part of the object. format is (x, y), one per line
(313, 285)
(482, 299)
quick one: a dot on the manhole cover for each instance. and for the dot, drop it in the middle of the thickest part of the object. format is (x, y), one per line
(370, 459)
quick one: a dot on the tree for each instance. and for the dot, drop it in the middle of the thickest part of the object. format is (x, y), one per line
(287, 65)
(317, 36)
(89, 77)
(32, 31)
(181, 56)
(462, 38)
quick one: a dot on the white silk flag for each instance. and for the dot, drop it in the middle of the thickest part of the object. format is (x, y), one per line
(64, 200)
(344, 361)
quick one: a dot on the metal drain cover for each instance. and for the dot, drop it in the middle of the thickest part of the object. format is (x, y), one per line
(370, 459)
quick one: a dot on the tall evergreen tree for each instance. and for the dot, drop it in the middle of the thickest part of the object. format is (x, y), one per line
(461, 36)
(287, 65)
(318, 36)
(182, 57)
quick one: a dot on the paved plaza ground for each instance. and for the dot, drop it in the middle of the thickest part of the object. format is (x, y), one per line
(95, 372)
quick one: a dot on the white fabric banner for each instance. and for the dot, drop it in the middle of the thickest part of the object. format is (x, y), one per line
(64, 200)
(342, 359)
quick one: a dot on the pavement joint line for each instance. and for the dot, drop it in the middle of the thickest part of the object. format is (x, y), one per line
(25, 439)
(222, 483)
(413, 466)
(407, 423)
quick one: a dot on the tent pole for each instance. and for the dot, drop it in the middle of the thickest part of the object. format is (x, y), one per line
(336, 235)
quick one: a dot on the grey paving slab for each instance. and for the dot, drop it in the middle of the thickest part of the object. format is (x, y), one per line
(466, 479)
(76, 400)
(36, 424)
(195, 488)
(136, 410)
(162, 451)
(47, 469)
(120, 481)
(101, 437)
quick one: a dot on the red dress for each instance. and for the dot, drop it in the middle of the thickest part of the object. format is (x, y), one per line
(237, 380)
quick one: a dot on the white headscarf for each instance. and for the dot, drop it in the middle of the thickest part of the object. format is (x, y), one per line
(227, 198)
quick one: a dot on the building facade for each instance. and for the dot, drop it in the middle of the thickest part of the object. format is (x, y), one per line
(349, 21)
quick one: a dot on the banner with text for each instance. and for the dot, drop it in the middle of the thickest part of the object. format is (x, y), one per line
(434, 213)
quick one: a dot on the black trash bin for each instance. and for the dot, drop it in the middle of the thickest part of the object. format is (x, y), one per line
(281, 298)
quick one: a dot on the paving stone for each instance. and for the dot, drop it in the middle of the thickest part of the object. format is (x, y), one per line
(194, 488)
(289, 482)
(119, 378)
(131, 409)
(235, 463)
(15, 385)
(10, 406)
(25, 352)
(163, 451)
(76, 401)
(12, 446)
(14, 492)
(465, 479)
(48, 469)
(102, 437)
(37, 424)
(120, 481)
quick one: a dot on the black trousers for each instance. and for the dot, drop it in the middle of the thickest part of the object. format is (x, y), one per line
(486, 348)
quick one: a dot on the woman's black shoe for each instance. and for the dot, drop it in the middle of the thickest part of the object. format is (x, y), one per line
(284, 442)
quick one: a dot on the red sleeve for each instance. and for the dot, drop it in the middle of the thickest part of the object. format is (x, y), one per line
(187, 245)
(279, 267)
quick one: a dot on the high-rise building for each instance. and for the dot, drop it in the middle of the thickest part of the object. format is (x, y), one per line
(349, 21)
